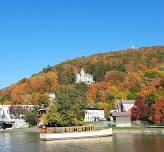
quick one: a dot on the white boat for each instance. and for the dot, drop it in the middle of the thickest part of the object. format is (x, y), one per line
(76, 135)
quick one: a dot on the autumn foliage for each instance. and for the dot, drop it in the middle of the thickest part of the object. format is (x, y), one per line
(158, 116)
(140, 111)
(127, 74)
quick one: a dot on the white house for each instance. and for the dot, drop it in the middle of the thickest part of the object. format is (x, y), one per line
(84, 77)
(7, 122)
(52, 96)
(4, 112)
(93, 114)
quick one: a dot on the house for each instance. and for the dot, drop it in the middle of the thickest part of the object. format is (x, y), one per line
(122, 119)
(41, 112)
(94, 114)
(52, 96)
(121, 116)
(124, 105)
(4, 112)
(6, 121)
(6, 109)
(84, 77)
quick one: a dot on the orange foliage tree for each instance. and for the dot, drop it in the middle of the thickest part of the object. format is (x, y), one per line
(158, 116)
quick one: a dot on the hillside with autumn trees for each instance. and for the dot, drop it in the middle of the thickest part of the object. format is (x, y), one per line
(127, 74)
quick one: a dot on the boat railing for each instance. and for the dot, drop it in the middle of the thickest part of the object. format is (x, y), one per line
(68, 129)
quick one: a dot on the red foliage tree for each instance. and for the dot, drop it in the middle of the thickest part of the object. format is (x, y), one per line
(140, 111)
(158, 116)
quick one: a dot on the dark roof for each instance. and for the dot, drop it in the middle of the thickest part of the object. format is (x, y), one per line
(121, 114)
(42, 109)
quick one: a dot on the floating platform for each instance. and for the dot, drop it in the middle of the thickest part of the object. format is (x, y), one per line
(76, 135)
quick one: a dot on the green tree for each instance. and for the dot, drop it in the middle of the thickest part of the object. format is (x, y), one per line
(150, 99)
(98, 97)
(53, 117)
(122, 68)
(81, 87)
(47, 85)
(66, 77)
(47, 69)
(31, 118)
(131, 95)
(5, 98)
(43, 99)
(99, 69)
(71, 105)
(152, 74)
(118, 66)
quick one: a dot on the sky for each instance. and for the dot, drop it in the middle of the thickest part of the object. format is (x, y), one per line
(35, 33)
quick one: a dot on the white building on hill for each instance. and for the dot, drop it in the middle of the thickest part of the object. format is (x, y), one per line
(52, 96)
(84, 77)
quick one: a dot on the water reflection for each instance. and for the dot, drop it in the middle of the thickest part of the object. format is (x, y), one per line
(138, 142)
(29, 142)
(12, 138)
(80, 145)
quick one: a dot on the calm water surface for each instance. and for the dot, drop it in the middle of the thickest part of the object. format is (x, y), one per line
(29, 142)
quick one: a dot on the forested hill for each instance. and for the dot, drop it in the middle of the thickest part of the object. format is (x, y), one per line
(123, 74)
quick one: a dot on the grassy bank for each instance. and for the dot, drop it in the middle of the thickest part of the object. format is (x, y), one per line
(154, 129)
(29, 129)
(159, 129)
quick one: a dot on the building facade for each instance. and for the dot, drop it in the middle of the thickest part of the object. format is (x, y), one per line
(4, 112)
(84, 77)
(121, 116)
(124, 105)
(122, 119)
(6, 121)
(93, 114)
(52, 96)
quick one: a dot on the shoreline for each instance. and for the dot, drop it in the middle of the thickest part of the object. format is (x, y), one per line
(115, 130)
(138, 130)
(26, 130)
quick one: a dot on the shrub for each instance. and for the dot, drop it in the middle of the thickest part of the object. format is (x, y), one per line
(31, 118)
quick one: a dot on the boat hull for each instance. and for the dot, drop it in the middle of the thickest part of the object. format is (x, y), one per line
(76, 135)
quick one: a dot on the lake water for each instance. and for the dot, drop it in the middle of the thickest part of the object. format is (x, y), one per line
(29, 142)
